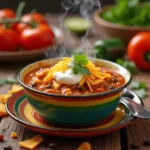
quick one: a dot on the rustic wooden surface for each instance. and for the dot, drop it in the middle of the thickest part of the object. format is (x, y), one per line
(118, 140)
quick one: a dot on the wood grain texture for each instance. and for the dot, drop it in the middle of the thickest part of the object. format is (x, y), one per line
(113, 141)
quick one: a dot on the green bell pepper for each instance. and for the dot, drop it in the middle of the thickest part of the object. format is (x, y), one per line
(109, 49)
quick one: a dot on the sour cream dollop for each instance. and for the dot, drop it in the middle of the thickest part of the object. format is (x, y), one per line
(67, 77)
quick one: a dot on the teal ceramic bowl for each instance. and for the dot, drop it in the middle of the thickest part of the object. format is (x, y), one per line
(74, 111)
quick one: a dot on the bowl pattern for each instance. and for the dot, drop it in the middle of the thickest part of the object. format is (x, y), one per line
(74, 111)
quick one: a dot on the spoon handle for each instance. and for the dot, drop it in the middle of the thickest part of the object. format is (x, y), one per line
(136, 109)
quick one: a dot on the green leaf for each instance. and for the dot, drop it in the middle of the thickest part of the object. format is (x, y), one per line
(2, 82)
(141, 93)
(138, 85)
(84, 70)
(130, 65)
(80, 59)
(80, 69)
(76, 69)
(129, 12)
(11, 80)
(77, 63)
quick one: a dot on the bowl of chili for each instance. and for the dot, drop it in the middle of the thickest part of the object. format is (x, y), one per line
(85, 103)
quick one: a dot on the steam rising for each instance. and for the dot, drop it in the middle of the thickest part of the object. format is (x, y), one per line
(84, 8)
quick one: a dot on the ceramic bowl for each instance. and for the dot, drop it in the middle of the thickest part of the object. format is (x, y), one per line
(124, 32)
(74, 111)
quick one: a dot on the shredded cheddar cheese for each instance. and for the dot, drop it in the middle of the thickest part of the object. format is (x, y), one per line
(60, 66)
(96, 75)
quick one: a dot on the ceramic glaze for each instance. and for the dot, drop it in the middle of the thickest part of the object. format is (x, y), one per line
(73, 111)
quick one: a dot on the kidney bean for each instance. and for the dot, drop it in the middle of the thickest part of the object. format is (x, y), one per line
(80, 87)
(100, 89)
(114, 80)
(108, 79)
(120, 78)
(34, 84)
(51, 91)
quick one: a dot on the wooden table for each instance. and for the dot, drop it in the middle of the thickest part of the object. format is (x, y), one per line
(118, 140)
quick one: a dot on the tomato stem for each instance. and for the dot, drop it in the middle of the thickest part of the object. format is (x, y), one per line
(6, 26)
(32, 23)
(7, 21)
(147, 56)
(20, 9)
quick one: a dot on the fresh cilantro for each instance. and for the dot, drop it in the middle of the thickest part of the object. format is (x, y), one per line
(141, 93)
(140, 88)
(9, 80)
(77, 63)
(80, 59)
(2, 82)
(129, 12)
(138, 85)
(130, 65)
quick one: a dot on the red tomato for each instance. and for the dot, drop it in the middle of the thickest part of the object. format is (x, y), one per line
(34, 38)
(7, 13)
(9, 39)
(139, 50)
(37, 17)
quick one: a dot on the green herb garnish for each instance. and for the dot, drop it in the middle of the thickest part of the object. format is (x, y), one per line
(130, 65)
(77, 63)
(9, 80)
(140, 88)
(129, 12)
(138, 85)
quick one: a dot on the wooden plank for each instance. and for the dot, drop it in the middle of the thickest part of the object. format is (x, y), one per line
(106, 142)
(136, 134)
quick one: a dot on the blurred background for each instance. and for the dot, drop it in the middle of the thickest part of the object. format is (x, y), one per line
(43, 6)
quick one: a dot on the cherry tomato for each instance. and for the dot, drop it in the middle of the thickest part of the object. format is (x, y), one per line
(7, 13)
(38, 37)
(9, 39)
(37, 17)
(139, 50)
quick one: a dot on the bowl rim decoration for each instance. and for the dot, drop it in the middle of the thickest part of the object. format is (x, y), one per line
(98, 19)
(76, 96)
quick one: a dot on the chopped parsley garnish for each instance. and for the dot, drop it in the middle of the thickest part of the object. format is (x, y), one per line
(130, 65)
(9, 80)
(140, 88)
(77, 63)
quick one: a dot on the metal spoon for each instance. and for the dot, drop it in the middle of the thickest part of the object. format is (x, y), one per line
(136, 109)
